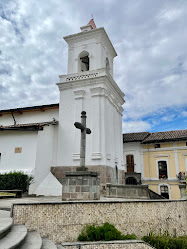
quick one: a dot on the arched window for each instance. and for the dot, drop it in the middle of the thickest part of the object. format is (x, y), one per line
(130, 163)
(162, 169)
(164, 191)
(84, 63)
(131, 181)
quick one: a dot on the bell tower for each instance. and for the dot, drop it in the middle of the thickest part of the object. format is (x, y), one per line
(90, 50)
(89, 86)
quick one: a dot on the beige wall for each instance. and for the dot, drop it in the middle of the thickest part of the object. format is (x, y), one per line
(174, 191)
(64, 221)
(176, 161)
(181, 143)
(182, 157)
(151, 163)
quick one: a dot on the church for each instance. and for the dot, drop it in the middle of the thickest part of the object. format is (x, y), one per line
(42, 141)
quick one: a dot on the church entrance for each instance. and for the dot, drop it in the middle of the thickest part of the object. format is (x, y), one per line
(130, 163)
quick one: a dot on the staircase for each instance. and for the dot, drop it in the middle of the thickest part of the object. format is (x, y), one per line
(17, 236)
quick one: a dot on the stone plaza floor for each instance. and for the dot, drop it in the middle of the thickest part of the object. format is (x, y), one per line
(5, 204)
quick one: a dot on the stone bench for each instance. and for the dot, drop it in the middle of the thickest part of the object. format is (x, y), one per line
(18, 192)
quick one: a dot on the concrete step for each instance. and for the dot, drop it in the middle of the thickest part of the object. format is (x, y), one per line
(47, 244)
(59, 246)
(14, 238)
(32, 241)
(5, 223)
(4, 213)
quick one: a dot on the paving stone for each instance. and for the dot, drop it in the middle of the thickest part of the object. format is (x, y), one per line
(60, 246)
(48, 244)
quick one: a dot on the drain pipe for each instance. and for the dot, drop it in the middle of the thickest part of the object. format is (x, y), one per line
(13, 118)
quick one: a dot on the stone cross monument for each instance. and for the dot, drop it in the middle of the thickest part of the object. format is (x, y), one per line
(84, 131)
(81, 184)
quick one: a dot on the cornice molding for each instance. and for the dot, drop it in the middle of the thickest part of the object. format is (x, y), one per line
(92, 78)
(98, 91)
(161, 181)
(79, 94)
(158, 156)
(99, 34)
(103, 92)
(165, 149)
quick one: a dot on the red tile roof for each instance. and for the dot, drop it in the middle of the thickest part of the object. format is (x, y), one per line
(166, 136)
(29, 125)
(156, 137)
(135, 137)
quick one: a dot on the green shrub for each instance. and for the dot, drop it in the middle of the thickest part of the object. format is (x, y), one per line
(129, 236)
(106, 232)
(15, 180)
(165, 241)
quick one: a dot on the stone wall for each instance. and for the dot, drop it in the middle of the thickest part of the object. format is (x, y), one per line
(81, 185)
(63, 221)
(107, 174)
(128, 191)
(133, 244)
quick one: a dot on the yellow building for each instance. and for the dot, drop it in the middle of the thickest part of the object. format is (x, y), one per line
(161, 158)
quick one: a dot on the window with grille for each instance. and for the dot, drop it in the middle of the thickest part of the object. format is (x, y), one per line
(162, 167)
(164, 191)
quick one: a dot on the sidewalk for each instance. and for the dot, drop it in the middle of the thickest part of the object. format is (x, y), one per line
(5, 204)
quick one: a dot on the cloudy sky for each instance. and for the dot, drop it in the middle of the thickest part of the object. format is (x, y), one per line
(150, 37)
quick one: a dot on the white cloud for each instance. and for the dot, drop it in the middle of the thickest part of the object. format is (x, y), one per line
(32, 51)
(168, 118)
(184, 113)
(149, 36)
(170, 15)
(135, 126)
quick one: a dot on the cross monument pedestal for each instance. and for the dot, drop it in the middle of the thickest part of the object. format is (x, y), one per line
(81, 184)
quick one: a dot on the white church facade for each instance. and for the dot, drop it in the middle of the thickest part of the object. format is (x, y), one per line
(43, 141)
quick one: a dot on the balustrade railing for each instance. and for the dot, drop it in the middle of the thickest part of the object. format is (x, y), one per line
(82, 75)
(182, 175)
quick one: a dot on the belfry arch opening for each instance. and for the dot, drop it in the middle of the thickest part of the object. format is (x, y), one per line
(84, 61)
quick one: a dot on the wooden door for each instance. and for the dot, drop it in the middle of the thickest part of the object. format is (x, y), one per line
(130, 163)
